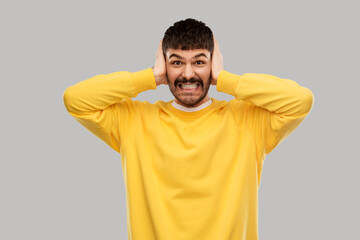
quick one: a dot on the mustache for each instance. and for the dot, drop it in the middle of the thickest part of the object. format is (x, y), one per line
(190, 81)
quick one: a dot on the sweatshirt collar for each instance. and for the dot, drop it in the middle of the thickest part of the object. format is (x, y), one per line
(191, 109)
(191, 115)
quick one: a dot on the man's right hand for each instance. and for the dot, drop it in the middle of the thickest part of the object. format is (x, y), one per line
(159, 68)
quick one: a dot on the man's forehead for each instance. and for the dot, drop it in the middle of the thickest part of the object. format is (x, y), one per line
(170, 52)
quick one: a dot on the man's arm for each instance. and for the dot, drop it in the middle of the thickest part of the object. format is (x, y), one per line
(97, 104)
(278, 105)
(281, 104)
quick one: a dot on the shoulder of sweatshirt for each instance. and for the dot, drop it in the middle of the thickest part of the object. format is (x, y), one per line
(141, 106)
(160, 105)
(239, 108)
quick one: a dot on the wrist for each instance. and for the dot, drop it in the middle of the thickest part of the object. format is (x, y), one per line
(215, 77)
(143, 80)
(227, 82)
(158, 77)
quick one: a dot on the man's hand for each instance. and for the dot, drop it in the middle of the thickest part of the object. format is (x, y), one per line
(217, 64)
(159, 68)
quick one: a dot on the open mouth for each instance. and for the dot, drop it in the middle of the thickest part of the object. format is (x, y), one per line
(189, 87)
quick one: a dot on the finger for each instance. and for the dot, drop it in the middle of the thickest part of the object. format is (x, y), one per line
(215, 41)
(160, 46)
(159, 52)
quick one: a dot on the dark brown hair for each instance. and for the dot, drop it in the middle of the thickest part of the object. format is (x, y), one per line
(188, 34)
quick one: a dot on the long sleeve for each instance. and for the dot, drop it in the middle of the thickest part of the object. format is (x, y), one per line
(278, 105)
(97, 104)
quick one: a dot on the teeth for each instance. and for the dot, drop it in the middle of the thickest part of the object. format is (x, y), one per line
(188, 86)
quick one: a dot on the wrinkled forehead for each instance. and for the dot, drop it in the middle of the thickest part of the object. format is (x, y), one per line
(187, 54)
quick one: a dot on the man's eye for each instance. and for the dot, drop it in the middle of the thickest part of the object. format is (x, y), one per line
(199, 62)
(176, 63)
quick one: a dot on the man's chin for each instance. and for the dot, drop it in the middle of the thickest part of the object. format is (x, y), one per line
(189, 101)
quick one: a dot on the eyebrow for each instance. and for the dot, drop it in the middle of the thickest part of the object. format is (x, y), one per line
(197, 56)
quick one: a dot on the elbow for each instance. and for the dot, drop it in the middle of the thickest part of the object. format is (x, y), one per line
(68, 99)
(307, 100)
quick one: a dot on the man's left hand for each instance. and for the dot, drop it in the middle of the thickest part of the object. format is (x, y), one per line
(217, 64)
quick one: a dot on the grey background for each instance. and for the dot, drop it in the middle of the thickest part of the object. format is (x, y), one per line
(58, 181)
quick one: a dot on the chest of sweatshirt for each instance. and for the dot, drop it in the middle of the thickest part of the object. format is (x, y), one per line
(159, 130)
(197, 155)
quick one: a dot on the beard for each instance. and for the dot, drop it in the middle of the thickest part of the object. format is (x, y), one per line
(189, 99)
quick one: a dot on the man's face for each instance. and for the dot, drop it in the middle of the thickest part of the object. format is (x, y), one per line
(189, 75)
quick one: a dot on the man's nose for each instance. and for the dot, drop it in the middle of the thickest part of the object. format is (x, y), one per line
(188, 72)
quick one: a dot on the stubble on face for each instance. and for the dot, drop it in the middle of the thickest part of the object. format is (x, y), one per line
(177, 62)
(189, 99)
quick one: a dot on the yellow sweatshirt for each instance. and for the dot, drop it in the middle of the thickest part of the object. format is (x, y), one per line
(191, 175)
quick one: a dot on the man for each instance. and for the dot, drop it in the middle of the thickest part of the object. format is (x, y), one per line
(192, 166)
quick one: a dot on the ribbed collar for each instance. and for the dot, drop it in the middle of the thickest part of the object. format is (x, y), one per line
(191, 109)
(195, 114)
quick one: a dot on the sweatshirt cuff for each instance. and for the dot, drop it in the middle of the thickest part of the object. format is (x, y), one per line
(143, 80)
(227, 82)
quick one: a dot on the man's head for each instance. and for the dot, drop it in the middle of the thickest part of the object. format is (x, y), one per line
(188, 47)
(188, 34)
